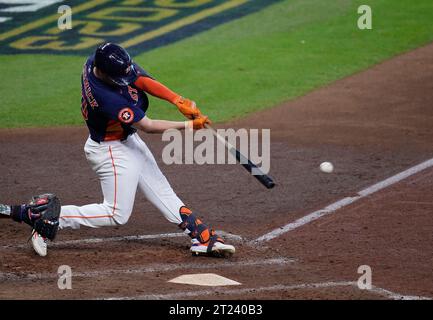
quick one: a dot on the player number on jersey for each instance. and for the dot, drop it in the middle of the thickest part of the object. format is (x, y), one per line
(84, 110)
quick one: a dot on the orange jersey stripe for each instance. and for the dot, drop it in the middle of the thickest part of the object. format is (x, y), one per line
(114, 131)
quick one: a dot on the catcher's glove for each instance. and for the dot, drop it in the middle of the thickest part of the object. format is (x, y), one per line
(44, 212)
(47, 206)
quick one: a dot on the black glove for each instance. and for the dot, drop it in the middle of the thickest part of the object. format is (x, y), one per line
(42, 214)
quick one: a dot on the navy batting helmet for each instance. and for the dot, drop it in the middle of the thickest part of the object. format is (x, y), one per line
(116, 62)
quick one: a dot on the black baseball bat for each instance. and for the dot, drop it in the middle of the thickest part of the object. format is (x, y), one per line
(245, 162)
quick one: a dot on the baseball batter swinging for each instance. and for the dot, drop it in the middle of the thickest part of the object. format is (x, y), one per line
(114, 104)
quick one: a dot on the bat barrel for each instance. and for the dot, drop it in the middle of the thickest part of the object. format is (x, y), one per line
(266, 181)
(248, 165)
(245, 162)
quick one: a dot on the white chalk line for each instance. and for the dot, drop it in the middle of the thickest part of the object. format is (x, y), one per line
(232, 237)
(11, 276)
(343, 202)
(244, 291)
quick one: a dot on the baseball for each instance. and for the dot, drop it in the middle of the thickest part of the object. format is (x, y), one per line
(326, 167)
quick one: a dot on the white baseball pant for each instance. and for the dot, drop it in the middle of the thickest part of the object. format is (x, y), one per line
(122, 166)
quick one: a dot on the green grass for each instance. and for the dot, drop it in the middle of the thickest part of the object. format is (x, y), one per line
(249, 64)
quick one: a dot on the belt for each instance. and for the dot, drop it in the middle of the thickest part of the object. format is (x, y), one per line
(123, 139)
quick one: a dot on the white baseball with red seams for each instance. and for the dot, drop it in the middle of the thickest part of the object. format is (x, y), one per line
(122, 166)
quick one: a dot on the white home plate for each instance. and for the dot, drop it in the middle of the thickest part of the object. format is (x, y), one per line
(204, 279)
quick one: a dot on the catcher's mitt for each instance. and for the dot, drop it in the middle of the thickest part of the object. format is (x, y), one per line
(44, 212)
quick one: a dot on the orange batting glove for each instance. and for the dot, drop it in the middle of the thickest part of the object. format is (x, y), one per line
(187, 107)
(197, 123)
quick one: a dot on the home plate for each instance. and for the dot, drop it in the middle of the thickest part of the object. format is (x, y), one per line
(205, 279)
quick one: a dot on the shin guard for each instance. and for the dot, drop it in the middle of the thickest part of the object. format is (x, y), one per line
(197, 229)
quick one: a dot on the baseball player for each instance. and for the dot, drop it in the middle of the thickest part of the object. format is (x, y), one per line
(114, 104)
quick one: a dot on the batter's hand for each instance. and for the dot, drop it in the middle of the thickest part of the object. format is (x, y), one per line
(188, 108)
(198, 123)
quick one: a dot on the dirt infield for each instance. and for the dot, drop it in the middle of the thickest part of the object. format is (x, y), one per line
(371, 125)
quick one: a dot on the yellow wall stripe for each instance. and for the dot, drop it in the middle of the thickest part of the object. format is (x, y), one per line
(182, 22)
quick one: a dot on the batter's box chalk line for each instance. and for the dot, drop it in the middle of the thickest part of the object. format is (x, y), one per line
(160, 267)
(254, 290)
(227, 235)
(332, 208)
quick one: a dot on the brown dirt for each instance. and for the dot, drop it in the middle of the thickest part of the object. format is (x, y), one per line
(370, 125)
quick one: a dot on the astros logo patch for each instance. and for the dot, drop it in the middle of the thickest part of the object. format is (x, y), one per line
(126, 115)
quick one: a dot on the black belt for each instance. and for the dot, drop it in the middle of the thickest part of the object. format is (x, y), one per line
(123, 139)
